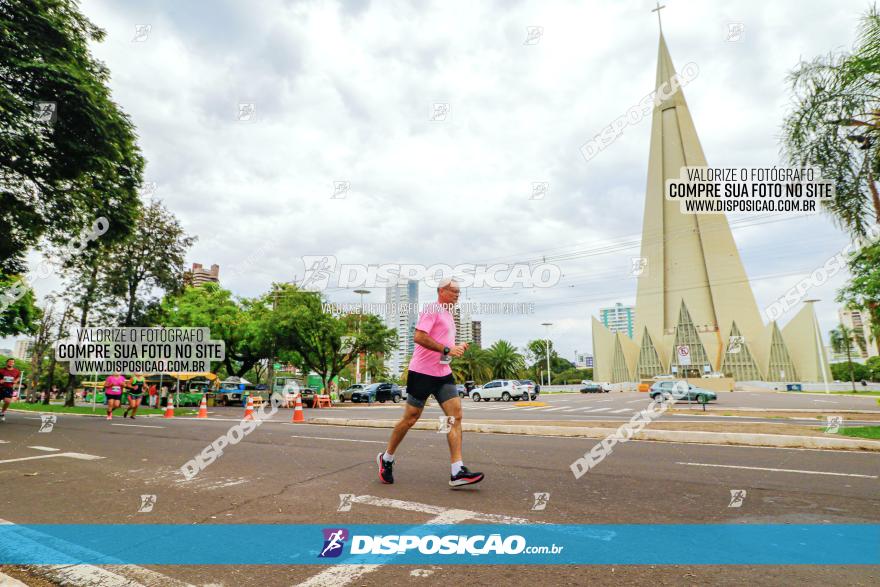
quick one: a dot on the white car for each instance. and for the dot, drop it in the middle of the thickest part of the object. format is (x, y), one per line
(498, 389)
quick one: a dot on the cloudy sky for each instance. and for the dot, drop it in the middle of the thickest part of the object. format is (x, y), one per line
(344, 92)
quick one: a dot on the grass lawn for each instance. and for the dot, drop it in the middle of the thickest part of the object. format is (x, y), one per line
(99, 409)
(862, 432)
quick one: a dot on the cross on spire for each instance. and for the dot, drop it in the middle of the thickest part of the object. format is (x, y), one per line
(657, 10)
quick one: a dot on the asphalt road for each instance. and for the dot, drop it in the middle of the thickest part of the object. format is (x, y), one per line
(287, 473)
(606, 406)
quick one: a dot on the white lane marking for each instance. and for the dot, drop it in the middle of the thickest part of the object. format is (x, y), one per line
(600, 410)
(509, 409)
(554, 409)
(4, 442)
(622, 410)
(71, 455)
(533, 409)
(342, 439)
(138, 425)
(339, 575)
(781, 470)
(83, 575)
(822, 401)
(7, 581)
(575, 409)
(636, 401)
(45, 448)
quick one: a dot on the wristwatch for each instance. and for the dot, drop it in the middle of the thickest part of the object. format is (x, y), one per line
(446, 350)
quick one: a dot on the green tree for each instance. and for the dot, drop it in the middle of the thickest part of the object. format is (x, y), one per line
(473, 365)
(505, 361)
(862, 292)
(849, 370)
(843, 339)
(873, 366)
(68, 153)
(152, 256)
(243, 325)
(18, 307)
(318, 340)
(536, 358)
(835, 124)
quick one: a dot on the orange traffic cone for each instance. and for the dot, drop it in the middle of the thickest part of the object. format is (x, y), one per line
(249, 410)
(169, 408)
(298, 410)
(203, 408)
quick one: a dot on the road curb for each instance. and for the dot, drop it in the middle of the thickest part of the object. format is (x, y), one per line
(689, 436)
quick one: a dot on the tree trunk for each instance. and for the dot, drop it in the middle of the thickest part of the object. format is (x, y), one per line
(875, 196)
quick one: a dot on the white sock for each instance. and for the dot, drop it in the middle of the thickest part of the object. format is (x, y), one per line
(387, 457)
(456, 467)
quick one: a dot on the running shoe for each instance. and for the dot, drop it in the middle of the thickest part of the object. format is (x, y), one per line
(2, 417)
(386, 473)
(125, 414)
(109, 417)
(464, 477)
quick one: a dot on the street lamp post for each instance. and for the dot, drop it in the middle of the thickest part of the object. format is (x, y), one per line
(547, 342)
(357, 377)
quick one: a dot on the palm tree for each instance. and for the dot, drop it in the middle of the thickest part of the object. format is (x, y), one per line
(504, 360)
(835, 125)
(473, 365)
(842, 341)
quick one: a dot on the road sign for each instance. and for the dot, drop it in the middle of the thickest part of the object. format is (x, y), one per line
(684, 354)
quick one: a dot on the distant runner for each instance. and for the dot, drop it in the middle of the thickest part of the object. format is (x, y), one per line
(430, 374)
(9, 377)
(113, 387)
(135, 392)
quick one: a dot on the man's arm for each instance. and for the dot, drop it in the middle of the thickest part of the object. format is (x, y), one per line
(421, 338)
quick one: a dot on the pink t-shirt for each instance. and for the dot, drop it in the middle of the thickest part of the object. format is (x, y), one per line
(114, 385)
(438, 323)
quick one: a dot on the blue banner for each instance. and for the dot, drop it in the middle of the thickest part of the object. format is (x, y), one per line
(461, 544)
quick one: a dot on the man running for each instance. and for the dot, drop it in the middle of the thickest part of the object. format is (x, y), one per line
(135, 392)
(9, 377)
(113, 387)
(430, 374)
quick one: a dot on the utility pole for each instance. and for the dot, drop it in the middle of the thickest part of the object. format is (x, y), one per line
(547, 341)
(357, 377)
(271, 365)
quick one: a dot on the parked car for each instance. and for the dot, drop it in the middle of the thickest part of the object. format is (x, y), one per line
(345, 394)
(462, 390)
(592, 387)
(499, 389)
(532, 389)
(676, 389)
(380, 392)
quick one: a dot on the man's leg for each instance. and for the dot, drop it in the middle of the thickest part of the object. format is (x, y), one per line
(451, 405)
(452, 408)
(411, 415)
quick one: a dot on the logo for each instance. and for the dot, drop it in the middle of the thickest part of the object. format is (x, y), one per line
(737, 497)
(446, 424)
(345, 502)
(318, 271)
(439, 112)
(735, 31)
(340, 188)
(147, 503)
(46, 112)
(141, 32)
(639, 264)
(334, 542)
(539, 190)
(247, 112)
(832, 424)
(533, 35)
(541, 501)
(47, 423)
(735, 344)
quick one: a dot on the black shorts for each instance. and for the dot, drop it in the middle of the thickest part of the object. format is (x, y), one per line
(5, 392)
(419, 387)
